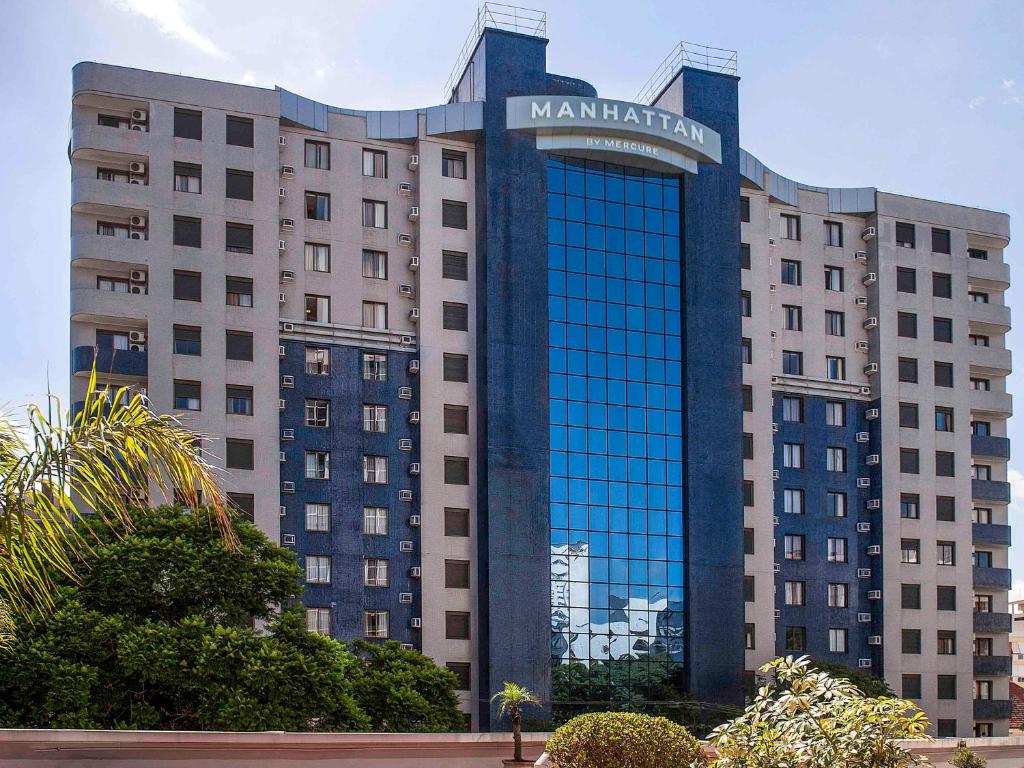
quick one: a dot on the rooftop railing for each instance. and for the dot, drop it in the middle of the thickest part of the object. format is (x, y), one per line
(687, 55)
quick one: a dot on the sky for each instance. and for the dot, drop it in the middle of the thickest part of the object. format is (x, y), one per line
(924, 98)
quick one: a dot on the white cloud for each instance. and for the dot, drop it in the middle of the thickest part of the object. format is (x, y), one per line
(976, 102)
(1008, 84)
(168, 17)
(248, 77)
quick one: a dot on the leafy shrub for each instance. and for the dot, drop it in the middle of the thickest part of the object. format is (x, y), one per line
(623, 740)
(965, 758)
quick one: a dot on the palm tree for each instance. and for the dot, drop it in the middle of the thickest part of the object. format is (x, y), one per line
(58, 467)
(512, 698)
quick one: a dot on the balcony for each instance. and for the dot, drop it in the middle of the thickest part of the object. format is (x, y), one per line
(991, 358)
(993, 623)
(116, 362)
(989, 533)
(86, 137)
(998, 403)
(97, 251)
(992, 578)
(94, 305)
(989, 269)
(997, 316)
(990, 490)
(992, 666)
(990, 445)
(88, 192)
(992, 709)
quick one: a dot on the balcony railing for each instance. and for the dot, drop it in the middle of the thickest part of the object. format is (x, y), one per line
(990, 490)
(117, 362)
(992, 578)
(989, 533)
(996, 666)
(992, 709)
(993, 623)
(990, 445)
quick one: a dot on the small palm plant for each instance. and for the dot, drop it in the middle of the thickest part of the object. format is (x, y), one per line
(511, 700)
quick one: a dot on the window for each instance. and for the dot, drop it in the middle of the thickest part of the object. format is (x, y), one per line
(793, 409)
(982, 515)
(747, 395)
(748, 445)
(456, 419)
(107, 229)
(745, 309)
(318, 465)
(983, 730)
(945, 552)
(837, 641)
(911, 687)
(908, 415)
(188, 395)
(318, 569)
(375, 572)
(454, 214)
(375, 367)
(318, 517)
(188, 124)
(375, 470)
(977, 253)
(943, 374)
(456, 574)
(239, 400)
(979, 340)
(238, 345)
(748, 541)
(836, 550)
(910, 551)
(942, 285)
(456, 470)
(943, 329)
(835, 413)
(318, 621)
(318, 361)
(946, 687)
(793, 455)
(904, 235)
(910, 506)
(188, 232)
(454, 265)
(981, 472)
(836, 503)
(790, 272)
(375, 521)
(456, 625)
(910, 461)
(318, 257)
(375, 624)
(112, 340)
(983, 646)
(838, 595)
(238, 238)
(188, 177)
(945, 642)
(318, 206)
(911, 641)
(835, 323)
(981, 385)
(375, 418)
(796, 638)
(238, 291)
(239, 131)
(981, 428)
(745, 255)
(744, 208)
(794, 546)
(748, 636)
(835, 459)
(456, 367)
(238, 185)
(835, 368)
(112, 284)
(910, 596)
(945, 509)
(833, 278)
(455, 316)
(188, 340)
(940, 240)
(453, 164)
(793, 501)
(456, 522)
(375, 214)
(945, 598)
(978, 297)
(318, 155)
(906, 280)
(945, 728)
(792, 316)
(943, 419)
(317, 413)
(461, 670)
(111, 174)
(375, 264)
(375, 314)
(746, 351)
(982, 559)
(795, 593)
(834, 234)
(792, 362)
(317, 308)
(908, 370)
(375, 163)
(111, 121)
(790, 226)
(983, 603)
(239, 454)
(906, 325)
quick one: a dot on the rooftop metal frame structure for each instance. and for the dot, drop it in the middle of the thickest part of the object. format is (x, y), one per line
(687, 54)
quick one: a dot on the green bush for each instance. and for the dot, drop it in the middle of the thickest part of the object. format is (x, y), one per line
(623, 740)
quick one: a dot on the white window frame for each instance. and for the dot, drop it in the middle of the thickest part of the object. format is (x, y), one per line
(318, 465)
(375, 572)
(838, 640)
(318, 516)
(375, 367)
(375, 418)
(838, 595)
(318, 361)
(318, 620)
(375, 469)
(793, 501)
(838, 550)
(375, 314)
(375, 521)
(317, 257)
(376, 624)
(375, 264)
(318, 569)
(317, 413)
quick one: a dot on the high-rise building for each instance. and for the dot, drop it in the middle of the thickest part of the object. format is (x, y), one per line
(542, 383)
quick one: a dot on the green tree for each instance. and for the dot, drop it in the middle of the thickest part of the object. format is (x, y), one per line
(964, 757)
(511, 699)
(804, 718)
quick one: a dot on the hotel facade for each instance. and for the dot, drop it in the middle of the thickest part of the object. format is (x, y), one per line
(541, 383)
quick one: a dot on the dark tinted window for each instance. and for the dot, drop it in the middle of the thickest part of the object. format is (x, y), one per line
(908, 415)
(911, 687)
(461, 670)
(456, 367)
(748, 541)
(455, 316)
(238, 238)
(744, 208)
(239, 131)
(945, 598)
(911, 640)
(188, 395)
(943, 374)
(454, 265)
(745, 255)
(943, 327)
(904, 234)
(239, 345)
(188, 286)
(188, 124)
(940, 241)
(245, 504)
(238, 185)
(906, 324)
(456, 419)
(944, 464)
(456, 521)
(910, 596)
(942, 285)
(910, 461)
(456, 625)
(748, 493)
(456, 574)
(239, 454)
(947, 687)
(456, 470)
(454, 214)
(908, 369)
(748, 398)
(188, 340)
(945, 509)
(188, 232)
(906, 280)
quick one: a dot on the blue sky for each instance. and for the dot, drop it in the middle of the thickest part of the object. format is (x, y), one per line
(921, 98)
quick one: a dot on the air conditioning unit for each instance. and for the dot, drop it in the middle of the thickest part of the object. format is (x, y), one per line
(863, 573)
(870, 278)
(776, 567)
(407, 646)
(875, 549)
(280, 404)
(281, 457)
(288, 486)
(874, 504)
(287, 275)
(777, 613)
(414, 263)
(404, 189)
(416, 623)
(775, 520)
(282, 298)
(414, 521)
(406, 290)
(288, 539)
(405, 393)
(874, 594)
(863, 482)
(871, 369)
(775, 474)
(405, 239)
(775, 426)
(282, 245)
(283, 510)
(280, 350)
(405, 597)
(140, 115)
(874, 639)
(863, 527)
(287, 327)
(773, 334)
(137, 288)
(863, 437)
(871, 322)
(872, 413)
(136, 234)
(136, 167)
(771, 241)
(407, 341)
(864, 663)
(860, 301)
(865, 390)
(414, 213)
(862, 346)
(287, 434)
(866, 234)
(872, 459)
(138, 276)
(414, 468)
(405, 495)
(287, 224)
(287, 381)
(414, 314)
(282, 193)
(771, 286)
(415, 572)
(864, 618)
(405, 546)
(405, 444)
(414, 366)
(287, 171)
(135, 179)
(861, 256)
(414, 162)
(281, 141)
(776, 379)
(137, 337)
(136, 127)
(137, 221)
(137, 347)
(414, 417)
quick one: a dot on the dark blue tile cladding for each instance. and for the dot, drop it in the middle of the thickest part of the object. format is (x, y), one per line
(816, 525)
(713, 400)
(345, 490)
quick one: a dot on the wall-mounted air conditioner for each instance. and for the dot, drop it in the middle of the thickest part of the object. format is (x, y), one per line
(405, 444)
(874, 639)
(288, 486)
(775, 474)
(404, 238)
(287, 434)
(871, 369)
(136, 167)
(415, 572)
(288, 539)
(140, 115)
(870, 278)
(414, 213)
(414, 468)
(137, 221)
(863, 573)
(414, 162)
(416, 623)
(864, 618)
(287, 224)
(414, 263)
(287, 275)
(863, 437)
(860, 301)
(405, 393)
(874, 594)
(287, 327)
(414, 366)
(864, 663)
(863, 482)
(875, 549)
(406, 290)
(281, 141)
(414, 521)
(414, 417)
(404, 189)
(862, 346)
(405, 546)
(872, 459)
(871, 322)
(776, 567)
(405, 495)
(407, 341)
(287, 171)
(405, 597)
(288, 381)
(863, 527)
(866, 234)
(282, 298)
(872, 413)
(414, 315)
